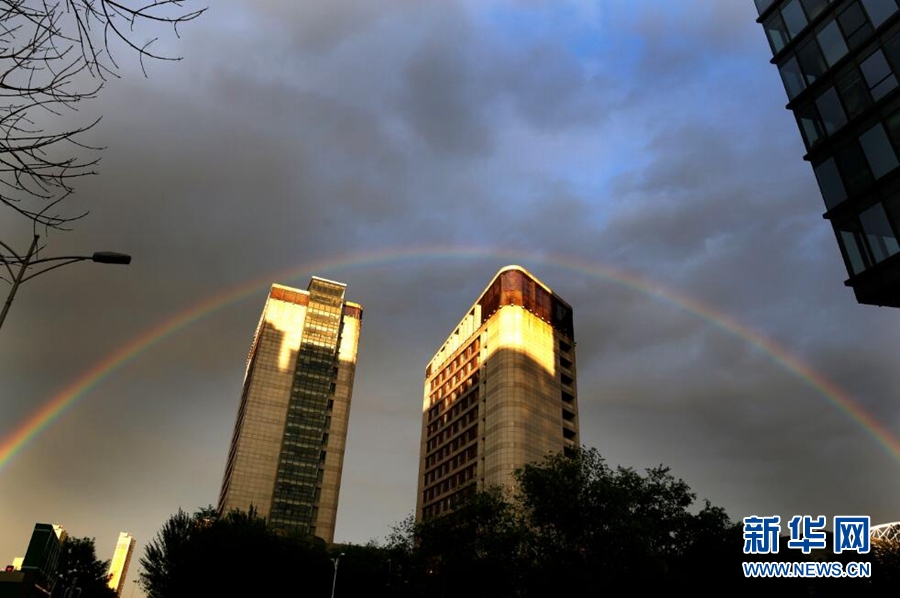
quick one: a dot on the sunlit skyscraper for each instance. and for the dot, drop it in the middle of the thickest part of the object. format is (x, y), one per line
(500, 392)
(287, 451)
(118, 566)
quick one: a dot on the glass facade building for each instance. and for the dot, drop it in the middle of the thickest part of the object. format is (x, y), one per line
(500, 393)
(43, 553)
(287, 451)
(839, 61)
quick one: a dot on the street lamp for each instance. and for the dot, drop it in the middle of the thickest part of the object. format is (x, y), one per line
(26, 262)
(334, 581)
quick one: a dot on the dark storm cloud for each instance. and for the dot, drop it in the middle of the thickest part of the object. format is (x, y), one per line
(444, 105)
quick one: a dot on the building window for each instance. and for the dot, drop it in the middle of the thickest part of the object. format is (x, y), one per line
(854, 92)
(815, 7)
(881, 239)
(851, 241)
(832, 42)
(878, 151)
(777, 32)
(812, 63)
(892, 124)
(878, 75)
(855, 25)
(879, 10)
(853, 166)
(794, 17)
(831, 111)
(830, 183)
(762, 5)
(792, 78)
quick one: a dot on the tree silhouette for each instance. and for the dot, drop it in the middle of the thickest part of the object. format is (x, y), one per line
(79, 568)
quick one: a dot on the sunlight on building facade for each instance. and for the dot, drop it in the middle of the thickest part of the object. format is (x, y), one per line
(499, 393)
(118, 566)
(287, 451)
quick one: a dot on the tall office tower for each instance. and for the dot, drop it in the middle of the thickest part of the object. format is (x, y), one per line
(42, 555)
(500, 393)
(840, 62)
(118, 566)
(287, 451)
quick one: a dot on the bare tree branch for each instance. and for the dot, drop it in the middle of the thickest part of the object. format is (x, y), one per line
(54, 55)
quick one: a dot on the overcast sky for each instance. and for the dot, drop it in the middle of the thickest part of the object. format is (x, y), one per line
(647, 137)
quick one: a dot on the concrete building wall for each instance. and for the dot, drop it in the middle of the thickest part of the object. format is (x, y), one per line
(522, 408)
(499, 393)
(262, 412)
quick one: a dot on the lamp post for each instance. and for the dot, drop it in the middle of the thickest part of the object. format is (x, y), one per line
(27, 261)
(335, 560)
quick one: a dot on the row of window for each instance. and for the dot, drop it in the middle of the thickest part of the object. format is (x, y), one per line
(450, 483)
(452, 465)
(442, 400)
(454, 379)
(847, 30)
(292, 515)
(871, 237)
(854, 167)
(293, 472)
(850, 96)
(446, 504)
(459, 407)
(441, 431)
(464, 438)
(784, 25)
(451, 430)
(457, 361)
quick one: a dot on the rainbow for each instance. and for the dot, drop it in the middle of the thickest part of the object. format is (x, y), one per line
(81, 387)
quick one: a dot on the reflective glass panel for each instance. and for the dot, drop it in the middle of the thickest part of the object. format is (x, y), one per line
(810, 125)
(792, 78)
(855, 24)
(812, 63)
(892, 124)
(854, 168)
(878, 75)
(762, 5)
(854, 92)
(814, 7)
(881, 239)
(831, 111)
(832, 43)
(777, 32)
(851, 243)
(879, 11)
(794, 17)
(830, 183)
(878, 151)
